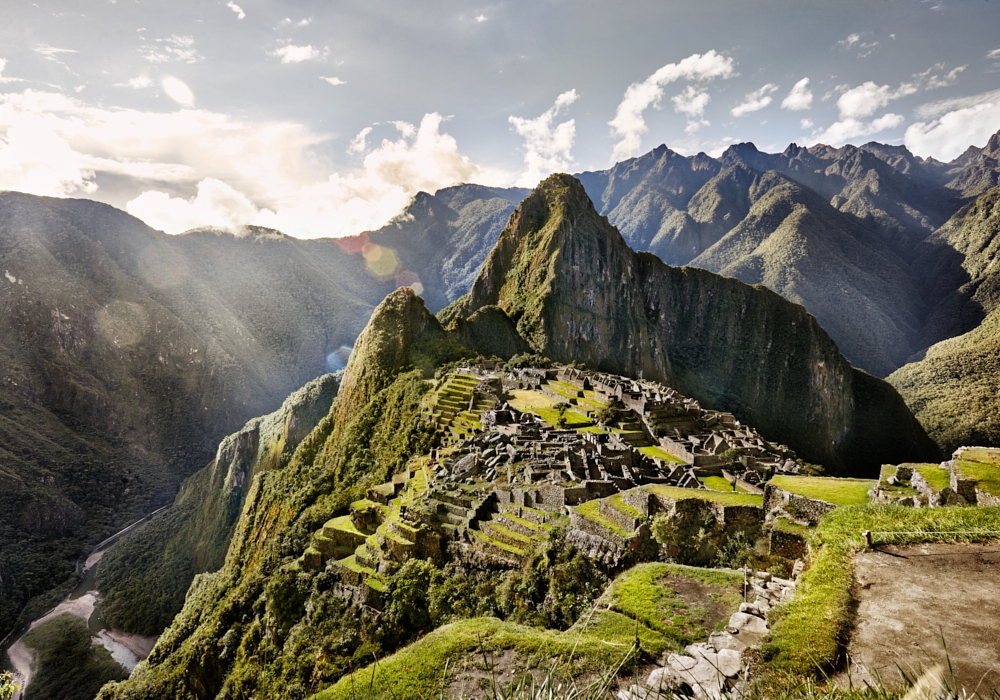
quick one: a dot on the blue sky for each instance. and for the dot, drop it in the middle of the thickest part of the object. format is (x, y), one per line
(324, 118)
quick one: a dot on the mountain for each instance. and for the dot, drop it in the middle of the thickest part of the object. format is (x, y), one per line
(577, 292)
(126, 356)
(440, 240)
(261, 603)
(953, 387)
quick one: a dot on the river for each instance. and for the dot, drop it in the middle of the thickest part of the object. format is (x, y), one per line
(84, 602)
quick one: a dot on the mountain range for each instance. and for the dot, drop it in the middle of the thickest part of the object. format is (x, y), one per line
(128, 354)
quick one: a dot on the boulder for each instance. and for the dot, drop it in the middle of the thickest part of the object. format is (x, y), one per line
(748, 623)
(729, 662)
(750, 609)
(724, 640)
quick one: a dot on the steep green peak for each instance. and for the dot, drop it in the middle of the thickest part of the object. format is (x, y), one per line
(386, 345)
(554, 242)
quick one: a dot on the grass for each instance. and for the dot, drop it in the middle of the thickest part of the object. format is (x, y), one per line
(641, 593)
(982, 465)
(516, 551)
(617, 503)
(720, 483)
(785, 525)
(643, 605)
(725, 498)
(839, 492)
(589, 510)
(808, 632)
(345, 523)
(935, 476)
(653, 451)
(542, 406)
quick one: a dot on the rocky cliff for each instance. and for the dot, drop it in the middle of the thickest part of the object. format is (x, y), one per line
(577, 292)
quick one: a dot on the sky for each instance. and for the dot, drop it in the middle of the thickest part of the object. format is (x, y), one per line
(324, 118)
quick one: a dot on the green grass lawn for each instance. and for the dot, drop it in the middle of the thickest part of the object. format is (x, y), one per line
(936, 477)
(542, 406)
(720, 483)
(653, 451)
(728, 499)
(839, 492)
(982, 465)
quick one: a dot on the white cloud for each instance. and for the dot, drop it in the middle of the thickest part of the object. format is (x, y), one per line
(296, 54)
(629, 125)
(843, 131)
(800, 97)
(995, 53)
(691, 101)
(755, 101)
(850, 41)
(933, 110)
(137, 83)
(178, 91)
(547, 145)
(854, 40)
(863, 100)
(240, 14)
(173, 48)
(948, 135)
(806, 123)
(51, 53)
(423, 159)
(333, 81)
(304, 22)
(481, 18)
(359, 143)
(3, 66)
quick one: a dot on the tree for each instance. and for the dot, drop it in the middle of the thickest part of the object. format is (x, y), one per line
(562, 407)
(7, 686)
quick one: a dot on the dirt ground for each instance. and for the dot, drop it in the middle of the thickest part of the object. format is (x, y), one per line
(914, 601)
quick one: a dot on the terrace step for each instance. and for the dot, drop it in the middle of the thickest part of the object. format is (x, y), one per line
(519, 525)
(502, 534)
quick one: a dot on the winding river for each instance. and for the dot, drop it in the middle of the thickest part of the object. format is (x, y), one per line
(84, 602)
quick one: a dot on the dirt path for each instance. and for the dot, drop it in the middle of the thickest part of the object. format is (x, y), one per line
(911, 598)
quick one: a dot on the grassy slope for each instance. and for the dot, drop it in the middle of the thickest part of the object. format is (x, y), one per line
(68, 666)
(638, 603)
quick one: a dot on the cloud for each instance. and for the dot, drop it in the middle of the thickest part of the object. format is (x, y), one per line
(755, 101)
(296, 54)
(173, 48)
(3, 66)
(481, 18)
(333, 81)
(240, 14)
(137, 83)
(854, 40)
(995, 53)
(844, 130)
(867, 98)
(629, 125)
(51, 53)
(945, 136)
(359, 143)
(423, 159)
(806, 123)
(800, 97)
(178, 91)
(547, 145)
(692, 102)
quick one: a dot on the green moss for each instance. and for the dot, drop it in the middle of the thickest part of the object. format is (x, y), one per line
(839, 492)
(727, 499)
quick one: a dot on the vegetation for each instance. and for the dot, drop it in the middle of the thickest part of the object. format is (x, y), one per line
(807, 633)
(838, 491)
(69, 666)
(7, 686)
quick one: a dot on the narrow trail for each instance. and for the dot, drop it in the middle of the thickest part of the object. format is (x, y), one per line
(124, 648)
